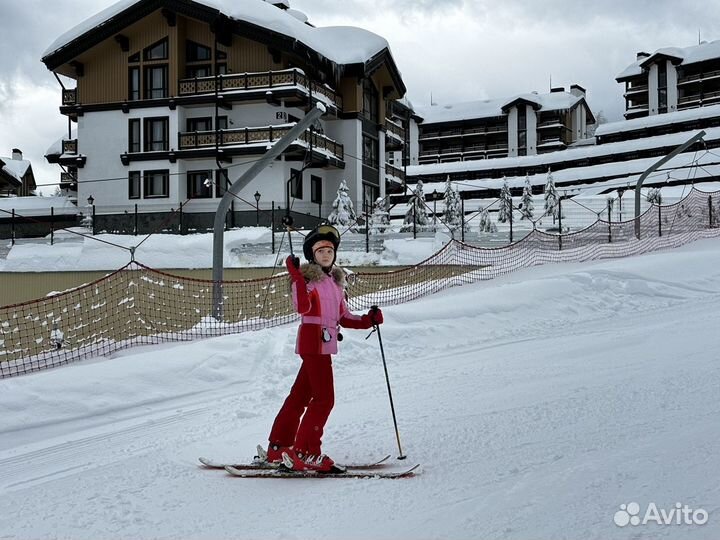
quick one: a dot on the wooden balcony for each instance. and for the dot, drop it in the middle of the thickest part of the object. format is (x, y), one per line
(69, 97)
(257, 136)
(395, 172)
(394, 129)
(261, 81)
(698, 77)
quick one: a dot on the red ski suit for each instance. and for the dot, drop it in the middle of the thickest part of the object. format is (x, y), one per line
(322, 310)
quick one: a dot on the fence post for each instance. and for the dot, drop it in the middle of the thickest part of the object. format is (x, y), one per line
(12, 228)
(462, 219)
(367, 232)
(609, 223)
(659, 219)
(511, 221)
(710, 210)
(560, 223)
(272, 226)
(136, 219)
(415, 202)
(94, 221)
(52, 225)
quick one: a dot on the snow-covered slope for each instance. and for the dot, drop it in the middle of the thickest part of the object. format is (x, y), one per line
(538, 403)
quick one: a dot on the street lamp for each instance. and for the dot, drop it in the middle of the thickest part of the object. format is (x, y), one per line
(90, 200)
(257, 208)
(434, 210)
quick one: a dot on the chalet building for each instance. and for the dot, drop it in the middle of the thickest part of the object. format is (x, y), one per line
(672, 79)
(175, 99)
(523, 125)
(16, 176)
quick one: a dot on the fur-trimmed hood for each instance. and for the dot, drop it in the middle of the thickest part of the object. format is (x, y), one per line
(314, 272)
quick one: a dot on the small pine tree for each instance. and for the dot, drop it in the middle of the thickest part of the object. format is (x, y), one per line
(527, 208)
(654, 196)
(380, 218)
(452, 211)
(416, 212)
(486, 225)
(343, 212)
(504, 214)
(551, 196)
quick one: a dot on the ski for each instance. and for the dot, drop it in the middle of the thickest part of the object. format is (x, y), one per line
(286, 473)
(266, 466)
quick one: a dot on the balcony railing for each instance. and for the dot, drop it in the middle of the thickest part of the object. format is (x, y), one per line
(395, 129)
(392, 170)
(69, 97)
(255, 135)
(635, 89)
(259, 81)
(698, 77)
(67, 178)
(70, 146)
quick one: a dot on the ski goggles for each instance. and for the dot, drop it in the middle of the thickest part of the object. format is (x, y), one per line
(328, 229)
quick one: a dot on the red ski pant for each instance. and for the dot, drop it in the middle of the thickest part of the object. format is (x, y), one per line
(312, 393)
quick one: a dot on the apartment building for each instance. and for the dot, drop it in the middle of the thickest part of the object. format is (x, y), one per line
(527, 124)
(175, 99)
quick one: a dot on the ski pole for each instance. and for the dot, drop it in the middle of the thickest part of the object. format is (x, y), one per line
(387, 379)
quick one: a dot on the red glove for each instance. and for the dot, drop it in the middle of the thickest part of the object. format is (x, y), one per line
(292, 264)
(375, 316)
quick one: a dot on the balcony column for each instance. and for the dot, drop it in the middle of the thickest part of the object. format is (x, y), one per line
(531, 116)
(672, 88)
(653, 102)
(512, 120)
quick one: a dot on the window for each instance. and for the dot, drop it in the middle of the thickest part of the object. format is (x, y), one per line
(296, 181)
(370, 100)
(157, 51)
(316, 189)
(134, 58)
(134, 185)
(522, 129)
(662, 87)
(156, 134)
(196, 185)
(221, 69)
(134, 135)
(156, 82)
(195, 52)
(370, 195)
(222, 122)
(133, 83)
(370, 151)
(199, 124)
(193, 72)
(156, 184)
(221, 182)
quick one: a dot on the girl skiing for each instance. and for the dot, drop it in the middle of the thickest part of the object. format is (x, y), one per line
(318, 293)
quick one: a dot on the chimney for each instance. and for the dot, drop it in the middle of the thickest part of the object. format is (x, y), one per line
(577, 90)
(17, 154)
(558, 89)
(642, 55)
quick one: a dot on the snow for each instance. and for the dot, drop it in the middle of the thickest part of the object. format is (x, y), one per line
(16, 167)
(341, 44)
(711, 111)
(490, 108)
(55, 148)
(688, 55)
(537, 404)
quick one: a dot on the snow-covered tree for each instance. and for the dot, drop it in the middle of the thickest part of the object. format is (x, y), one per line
(654, 196)
(551, 196)
(416, 212)
(380, 218)
(505, 211)
(57, 192)
(343, 212)
(486, 225)
(452, 210)
(527, 208)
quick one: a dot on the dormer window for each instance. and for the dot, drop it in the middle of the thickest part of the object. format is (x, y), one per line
(156, 51)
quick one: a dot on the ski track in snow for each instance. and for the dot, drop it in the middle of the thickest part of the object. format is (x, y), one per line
(537, 403)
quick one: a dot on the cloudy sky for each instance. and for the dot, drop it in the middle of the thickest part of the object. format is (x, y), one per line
(458, 50)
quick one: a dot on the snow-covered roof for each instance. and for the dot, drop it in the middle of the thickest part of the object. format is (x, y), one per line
(341, 44)
(687, 55)
(494, 107)
(658, 120)
(38, 206)
(55, 148)
(16, 167)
